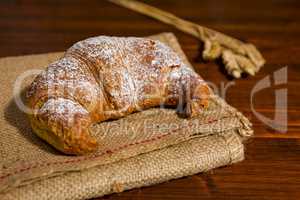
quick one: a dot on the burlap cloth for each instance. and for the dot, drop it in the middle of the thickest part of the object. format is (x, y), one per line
(142, 149)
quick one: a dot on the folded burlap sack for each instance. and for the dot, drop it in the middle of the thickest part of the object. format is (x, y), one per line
(141, 149)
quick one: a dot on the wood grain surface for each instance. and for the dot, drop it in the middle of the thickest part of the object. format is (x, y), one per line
(272, 166)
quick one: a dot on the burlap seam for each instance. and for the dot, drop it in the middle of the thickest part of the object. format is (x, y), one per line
(84, 158)
(17, 171)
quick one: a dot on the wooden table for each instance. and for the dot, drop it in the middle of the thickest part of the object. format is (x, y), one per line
(272, 166)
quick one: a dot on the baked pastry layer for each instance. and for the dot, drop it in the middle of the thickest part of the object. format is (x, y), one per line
(104, 78)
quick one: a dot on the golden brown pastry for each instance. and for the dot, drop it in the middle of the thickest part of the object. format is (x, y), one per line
(105, 78)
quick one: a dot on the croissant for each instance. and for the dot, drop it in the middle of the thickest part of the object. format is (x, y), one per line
(104, 78)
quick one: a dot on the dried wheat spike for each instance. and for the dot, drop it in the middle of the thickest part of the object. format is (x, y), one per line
(231, 64)
(212, 50)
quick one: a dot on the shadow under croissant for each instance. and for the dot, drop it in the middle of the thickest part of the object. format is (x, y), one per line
(17, 118)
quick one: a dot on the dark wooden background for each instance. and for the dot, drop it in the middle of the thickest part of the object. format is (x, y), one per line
(272, 166)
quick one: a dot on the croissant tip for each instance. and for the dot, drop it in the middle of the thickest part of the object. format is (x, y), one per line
(83, 148)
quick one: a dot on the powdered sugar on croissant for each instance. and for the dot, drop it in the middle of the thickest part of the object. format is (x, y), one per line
(103, 78)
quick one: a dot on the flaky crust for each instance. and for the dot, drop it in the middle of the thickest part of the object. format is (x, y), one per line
(105, 78)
